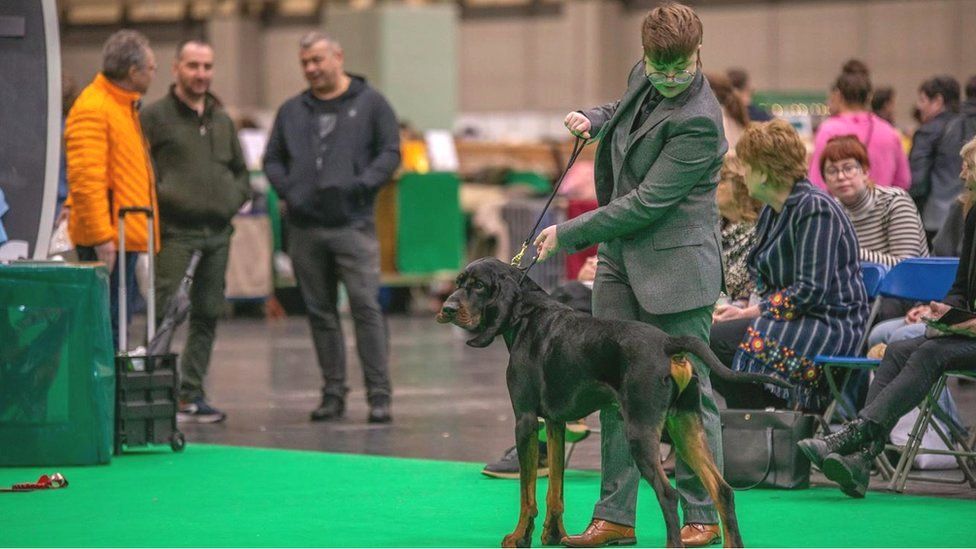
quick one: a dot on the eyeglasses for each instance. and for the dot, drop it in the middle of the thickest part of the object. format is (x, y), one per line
(680, 77)
(849, 170)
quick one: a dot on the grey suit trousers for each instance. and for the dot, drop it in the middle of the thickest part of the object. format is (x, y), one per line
(614, 298)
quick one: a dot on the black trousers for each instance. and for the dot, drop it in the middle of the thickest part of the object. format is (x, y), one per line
(908, 371)
(724, 340)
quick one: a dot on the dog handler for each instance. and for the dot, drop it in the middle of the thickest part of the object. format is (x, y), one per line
(660, 260)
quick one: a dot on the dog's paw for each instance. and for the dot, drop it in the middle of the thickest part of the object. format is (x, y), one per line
(517, 540)
(554, 537)
(553, 533)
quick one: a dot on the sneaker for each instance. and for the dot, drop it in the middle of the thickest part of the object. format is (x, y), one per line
(508, 466)
(199, 411)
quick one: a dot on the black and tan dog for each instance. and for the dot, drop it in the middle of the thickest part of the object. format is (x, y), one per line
(564, 365)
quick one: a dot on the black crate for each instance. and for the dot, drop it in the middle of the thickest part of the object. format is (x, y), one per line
(146, 402)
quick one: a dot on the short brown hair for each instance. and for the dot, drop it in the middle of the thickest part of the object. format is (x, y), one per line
(843, 147)
(775, 148)
(671, 32)
(854, 87)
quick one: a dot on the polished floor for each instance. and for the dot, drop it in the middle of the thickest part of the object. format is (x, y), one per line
(450, 400)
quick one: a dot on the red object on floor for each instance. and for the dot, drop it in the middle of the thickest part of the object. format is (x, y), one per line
(56, 480)
(574, 262)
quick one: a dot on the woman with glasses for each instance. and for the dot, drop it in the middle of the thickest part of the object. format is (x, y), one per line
(889, 229)
(885, 219)
(811, 297)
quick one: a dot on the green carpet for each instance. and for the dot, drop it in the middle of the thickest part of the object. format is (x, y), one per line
(227, 496)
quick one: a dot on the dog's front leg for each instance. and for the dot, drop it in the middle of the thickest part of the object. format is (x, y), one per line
(552, 529)
(528, 452)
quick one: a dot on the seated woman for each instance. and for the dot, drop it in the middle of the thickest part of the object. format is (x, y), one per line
(739, 212)
(885, 219)
(812, 298)
(907, 372)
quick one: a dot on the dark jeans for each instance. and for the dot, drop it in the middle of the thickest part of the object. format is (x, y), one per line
(908, 371)
(724, 340)
(87, 253)
(322, 257)
(206, 296)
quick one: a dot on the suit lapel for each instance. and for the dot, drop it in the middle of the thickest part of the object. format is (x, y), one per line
(626, 107)
(658, 115)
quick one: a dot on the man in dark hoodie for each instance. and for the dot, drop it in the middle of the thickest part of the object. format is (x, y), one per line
(331, 149)
(202, 182)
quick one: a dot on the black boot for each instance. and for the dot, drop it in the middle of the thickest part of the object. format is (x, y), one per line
(853, 471)
(379, 410)
(332, 407)
(851, 438)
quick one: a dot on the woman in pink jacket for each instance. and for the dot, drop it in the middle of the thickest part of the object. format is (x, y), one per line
(889, 164)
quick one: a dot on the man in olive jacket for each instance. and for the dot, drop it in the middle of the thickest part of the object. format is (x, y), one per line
(202, 182)
(660, 260)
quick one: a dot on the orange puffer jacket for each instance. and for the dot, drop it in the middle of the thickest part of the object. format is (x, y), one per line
(108, 167)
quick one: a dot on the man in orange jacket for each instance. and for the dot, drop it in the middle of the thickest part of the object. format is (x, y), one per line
(108, 164)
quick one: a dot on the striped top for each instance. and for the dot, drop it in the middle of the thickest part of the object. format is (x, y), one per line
(813, 300)
(888, 226)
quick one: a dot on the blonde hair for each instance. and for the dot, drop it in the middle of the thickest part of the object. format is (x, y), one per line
(968, 154)
(776, 149)
(733, 175)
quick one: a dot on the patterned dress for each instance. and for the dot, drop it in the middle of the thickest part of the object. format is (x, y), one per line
(813, 300)
(738, 239)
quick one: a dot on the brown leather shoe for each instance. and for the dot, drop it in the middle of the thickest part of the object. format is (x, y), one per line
(694, 534)
(601, 533)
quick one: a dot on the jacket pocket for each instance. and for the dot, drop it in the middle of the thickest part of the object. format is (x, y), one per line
(677, 237)
(332, 204)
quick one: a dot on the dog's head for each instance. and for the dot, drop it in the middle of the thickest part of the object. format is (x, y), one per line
(487, 290)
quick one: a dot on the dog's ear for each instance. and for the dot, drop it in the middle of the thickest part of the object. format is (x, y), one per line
(497, 311)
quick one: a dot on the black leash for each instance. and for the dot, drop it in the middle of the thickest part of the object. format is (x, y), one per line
(578, 147)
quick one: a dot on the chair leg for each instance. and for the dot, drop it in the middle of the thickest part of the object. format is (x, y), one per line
(954, 440)
(914, 441)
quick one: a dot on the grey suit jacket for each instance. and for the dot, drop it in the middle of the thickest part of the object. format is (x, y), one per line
(656, 190)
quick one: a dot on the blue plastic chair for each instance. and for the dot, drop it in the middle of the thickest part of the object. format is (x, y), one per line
(916, 279)
(873, 275)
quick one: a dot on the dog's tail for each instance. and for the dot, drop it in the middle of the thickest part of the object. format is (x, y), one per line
(697, 347)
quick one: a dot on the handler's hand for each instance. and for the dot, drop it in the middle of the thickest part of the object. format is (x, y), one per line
(578, 125)
(546, 243)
